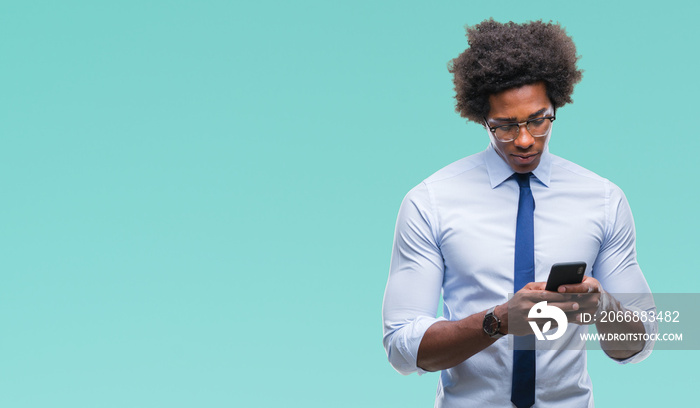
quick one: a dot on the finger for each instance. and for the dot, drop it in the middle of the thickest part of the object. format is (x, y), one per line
(550, 297)
(535, 286)
(589, 303)
(576, 318)
(567, 307)
(584, 287)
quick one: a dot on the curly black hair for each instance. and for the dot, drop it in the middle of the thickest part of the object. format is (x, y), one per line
(504, 56)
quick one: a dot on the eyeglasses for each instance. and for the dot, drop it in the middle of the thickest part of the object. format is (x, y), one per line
(538, 127)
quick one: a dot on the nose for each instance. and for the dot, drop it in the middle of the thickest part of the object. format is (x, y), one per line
(524, 139)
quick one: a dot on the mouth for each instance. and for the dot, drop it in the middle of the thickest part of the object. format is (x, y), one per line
(525, 159)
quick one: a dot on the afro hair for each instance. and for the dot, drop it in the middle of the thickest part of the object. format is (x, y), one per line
(504, 56)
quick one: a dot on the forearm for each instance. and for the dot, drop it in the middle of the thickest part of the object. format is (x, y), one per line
(626, 344)
(448, 343)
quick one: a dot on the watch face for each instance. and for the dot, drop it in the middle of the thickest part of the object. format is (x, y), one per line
(491, 325)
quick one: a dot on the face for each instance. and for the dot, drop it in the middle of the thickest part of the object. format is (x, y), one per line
(518, 105)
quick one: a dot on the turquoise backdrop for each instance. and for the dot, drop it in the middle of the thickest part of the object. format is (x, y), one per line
(198, 197)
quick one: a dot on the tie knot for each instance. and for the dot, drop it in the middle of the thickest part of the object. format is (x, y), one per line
(523, 179)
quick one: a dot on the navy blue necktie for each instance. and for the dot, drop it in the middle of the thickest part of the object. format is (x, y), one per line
(523, 392)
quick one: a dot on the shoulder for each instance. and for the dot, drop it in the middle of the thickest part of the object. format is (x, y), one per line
(456, 169)
(568, 171)
(571, 175)
(450, 178)
(574, 171)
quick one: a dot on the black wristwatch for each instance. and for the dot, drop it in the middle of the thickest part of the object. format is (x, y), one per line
(492, 324)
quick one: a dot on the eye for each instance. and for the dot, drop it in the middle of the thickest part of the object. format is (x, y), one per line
(537, 122)
(507, 128)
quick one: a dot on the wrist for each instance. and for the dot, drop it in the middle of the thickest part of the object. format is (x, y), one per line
(502, 312)
(492, 324)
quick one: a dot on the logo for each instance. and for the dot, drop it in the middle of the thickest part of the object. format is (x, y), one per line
(542, 310)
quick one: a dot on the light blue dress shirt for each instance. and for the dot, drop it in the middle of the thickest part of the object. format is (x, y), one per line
(455, 237)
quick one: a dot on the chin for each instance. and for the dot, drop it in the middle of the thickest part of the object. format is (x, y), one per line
(524, 169)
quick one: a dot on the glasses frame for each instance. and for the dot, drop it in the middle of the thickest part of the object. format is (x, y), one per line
(527, 127)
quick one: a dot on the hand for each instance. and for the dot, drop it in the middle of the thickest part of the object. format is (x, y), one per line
(588, 296)
(514, 313)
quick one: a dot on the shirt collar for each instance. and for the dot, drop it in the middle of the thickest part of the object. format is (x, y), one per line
(499, 171)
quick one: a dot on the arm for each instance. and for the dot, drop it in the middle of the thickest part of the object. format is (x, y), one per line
(616, 271)
(414, 338)
(413, 289)
(446, 344)
(600, 301)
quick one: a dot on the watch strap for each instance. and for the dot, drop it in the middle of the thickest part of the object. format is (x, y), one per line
(491, 315)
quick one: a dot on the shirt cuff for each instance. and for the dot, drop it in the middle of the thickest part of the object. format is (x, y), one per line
(407, 341)
(651, 328)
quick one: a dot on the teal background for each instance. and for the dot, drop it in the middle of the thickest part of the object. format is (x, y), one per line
(198, 198)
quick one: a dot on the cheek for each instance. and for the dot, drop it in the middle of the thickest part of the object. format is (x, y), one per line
(502, 149)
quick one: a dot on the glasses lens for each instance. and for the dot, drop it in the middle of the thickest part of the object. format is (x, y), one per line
(507, 133)
(539, 127)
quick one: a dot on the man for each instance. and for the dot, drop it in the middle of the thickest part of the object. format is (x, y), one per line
(493, 224)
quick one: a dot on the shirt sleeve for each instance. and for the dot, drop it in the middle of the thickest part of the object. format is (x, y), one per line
(413, 289)
(616, 266)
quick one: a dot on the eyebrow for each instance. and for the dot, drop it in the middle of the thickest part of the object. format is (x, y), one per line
(514, 120)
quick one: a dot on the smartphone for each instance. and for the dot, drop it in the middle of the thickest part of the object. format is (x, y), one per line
(565, 274)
